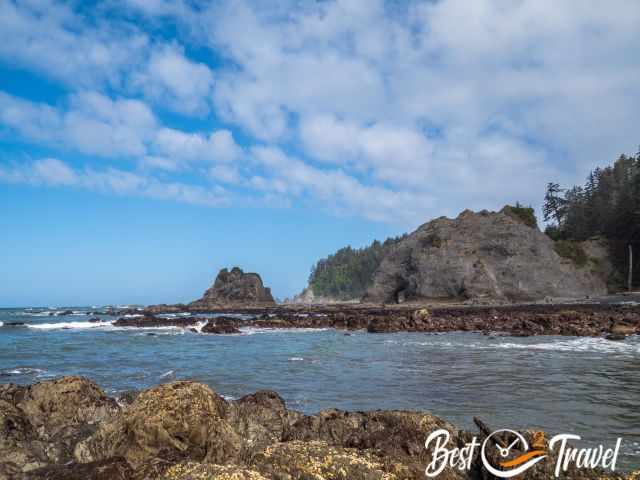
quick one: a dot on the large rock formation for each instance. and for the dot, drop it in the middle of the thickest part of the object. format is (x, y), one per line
(235, 288)
(68, 429)
(484, 254)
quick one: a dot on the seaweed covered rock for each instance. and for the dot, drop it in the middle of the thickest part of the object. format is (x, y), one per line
(260, 419)
(193, 471)
(319, 460)
(397, 436)
(180, 420)
(41, 423)
(185, 431)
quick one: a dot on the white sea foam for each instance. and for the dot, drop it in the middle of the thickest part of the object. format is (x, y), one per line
(295, 359)
(578, 345)
(254, 330)
(68, 325)
(1, 324)
(23, 371)
(167, 374)
(198, 326)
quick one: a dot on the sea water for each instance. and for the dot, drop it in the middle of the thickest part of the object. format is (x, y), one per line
(584, 386)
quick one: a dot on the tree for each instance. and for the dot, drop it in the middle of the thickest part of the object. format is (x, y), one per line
(554, 204)
(608, 205)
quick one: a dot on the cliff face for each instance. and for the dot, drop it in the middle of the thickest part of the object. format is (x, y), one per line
(476, 255)
(236, 288)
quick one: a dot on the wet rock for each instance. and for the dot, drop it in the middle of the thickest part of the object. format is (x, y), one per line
(623, 328)
(616, 337)
(222, 325)
(148, 320)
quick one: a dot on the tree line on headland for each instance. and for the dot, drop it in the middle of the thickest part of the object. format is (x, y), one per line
(606, 206)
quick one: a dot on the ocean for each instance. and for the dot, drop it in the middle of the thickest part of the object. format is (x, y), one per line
(585, 386)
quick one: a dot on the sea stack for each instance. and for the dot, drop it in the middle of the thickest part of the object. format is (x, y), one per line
(236, 288)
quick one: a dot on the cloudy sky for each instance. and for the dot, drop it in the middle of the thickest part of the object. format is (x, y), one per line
(144, 144)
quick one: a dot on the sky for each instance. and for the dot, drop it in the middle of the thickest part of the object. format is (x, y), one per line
(145, 144)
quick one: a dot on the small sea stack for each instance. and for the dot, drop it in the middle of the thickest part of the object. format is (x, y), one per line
(234, 288)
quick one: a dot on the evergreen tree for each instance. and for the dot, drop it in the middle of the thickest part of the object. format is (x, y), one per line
(607, 205)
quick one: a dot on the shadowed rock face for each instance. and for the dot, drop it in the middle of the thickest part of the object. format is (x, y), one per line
(235, 288)
(480, 255)
(185, 431)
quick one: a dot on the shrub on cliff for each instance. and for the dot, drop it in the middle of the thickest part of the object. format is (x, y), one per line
(571, 250)
(526, 215)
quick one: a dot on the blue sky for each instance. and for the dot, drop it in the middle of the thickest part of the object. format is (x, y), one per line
(145, 144)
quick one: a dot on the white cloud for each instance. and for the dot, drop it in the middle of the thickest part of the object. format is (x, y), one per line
(400, 155)
(218, 146)
(93, 124)
(288, 176)
(49, 37)
(175, 81)
(387, 106)
(53, 172)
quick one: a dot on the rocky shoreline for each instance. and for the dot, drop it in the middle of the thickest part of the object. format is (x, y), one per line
(612, 321)
(69, 429)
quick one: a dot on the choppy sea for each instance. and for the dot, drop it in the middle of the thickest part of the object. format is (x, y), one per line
(585, 386)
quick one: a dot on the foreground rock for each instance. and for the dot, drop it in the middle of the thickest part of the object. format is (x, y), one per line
(235, 288)
(481, 255)
(41, 424)
(184, 430)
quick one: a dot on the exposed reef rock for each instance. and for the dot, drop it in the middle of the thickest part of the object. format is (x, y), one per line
(235, 288)
(68, 429)
(222, 325)
(480, 255)
(613, 321)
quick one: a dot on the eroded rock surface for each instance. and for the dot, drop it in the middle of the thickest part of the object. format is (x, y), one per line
(235, 287)
(185, 431)
(480, 255)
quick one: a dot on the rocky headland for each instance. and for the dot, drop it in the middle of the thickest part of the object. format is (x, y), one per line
(482, 255)
(487, 256)
(68, 429)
